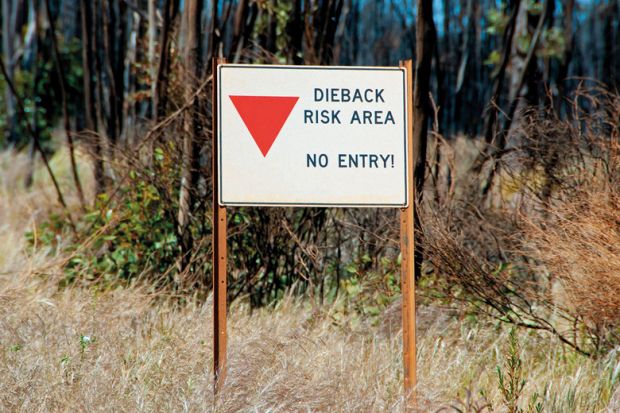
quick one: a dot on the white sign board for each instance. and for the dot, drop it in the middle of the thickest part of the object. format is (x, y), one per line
(312, 136)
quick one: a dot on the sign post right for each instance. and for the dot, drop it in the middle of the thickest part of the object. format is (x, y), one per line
(407, 249)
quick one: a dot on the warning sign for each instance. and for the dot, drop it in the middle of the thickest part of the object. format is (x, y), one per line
(312, 136)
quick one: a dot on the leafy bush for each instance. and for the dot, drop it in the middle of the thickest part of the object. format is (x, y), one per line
(119, 238)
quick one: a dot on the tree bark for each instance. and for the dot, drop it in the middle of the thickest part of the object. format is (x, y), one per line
(523, 76)
(89, 92)
(114, 58)
(327, 44)
(568, 7)
(273, 26)
(193, 62)
(238, 29)
(215, 31)
(294, 29)
(160, 92)
(493, 110)
(152, 38)
(421, 104)
(65, 107)
(7, 49)
(36, 22)
(517, 85)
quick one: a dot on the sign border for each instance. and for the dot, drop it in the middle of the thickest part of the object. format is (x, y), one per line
(221, 201)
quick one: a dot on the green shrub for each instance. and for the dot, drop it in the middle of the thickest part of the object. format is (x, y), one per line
(117, 239)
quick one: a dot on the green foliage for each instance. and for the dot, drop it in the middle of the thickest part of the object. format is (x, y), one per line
(281, 11)
(497, 21)
(65, 360)
(534, 7)
(511, 379)
(551, 44)
(136, 235)
(493, 59)
(119, 238)
(85, 342)
(369, 293)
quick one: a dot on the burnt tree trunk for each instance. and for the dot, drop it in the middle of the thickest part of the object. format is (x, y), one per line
(568, 7)
(8, 33)
(65, 107)
(160, 92)
(193, 63)
(89, 92)
(295, 30)
(215, 38)
(493, 110)
(421, 105)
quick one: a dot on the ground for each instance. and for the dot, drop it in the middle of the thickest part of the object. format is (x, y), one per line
(130, 350)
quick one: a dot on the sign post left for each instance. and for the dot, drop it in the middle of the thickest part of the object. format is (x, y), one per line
(219, 258)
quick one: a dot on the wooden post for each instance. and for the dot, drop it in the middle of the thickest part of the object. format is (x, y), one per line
(219, 258)
(407, 243)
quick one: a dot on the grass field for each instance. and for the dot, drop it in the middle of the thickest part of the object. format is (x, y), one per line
(129, 350)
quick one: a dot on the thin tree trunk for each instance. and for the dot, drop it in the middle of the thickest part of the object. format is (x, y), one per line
(89, 92)
(461, 116)
(493, 110)
(35, 13)
(238, 29)
(193, 61)
(568, 6)
(446, 115)
(130, 109)
(421, 105)
(327, 44)
(518, 86)
(7, 49)
(163, 70)
(501, 143)
(120, 39)
(215, 31)
(109, 46)
(273, 26)
(294, 29)
(152, 35)
(609, 66)
(247, 22)
(65, 108)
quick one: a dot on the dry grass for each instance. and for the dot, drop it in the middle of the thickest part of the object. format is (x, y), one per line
(147, 353)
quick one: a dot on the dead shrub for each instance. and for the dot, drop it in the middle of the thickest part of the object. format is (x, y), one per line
(579, 245)
(546, 255)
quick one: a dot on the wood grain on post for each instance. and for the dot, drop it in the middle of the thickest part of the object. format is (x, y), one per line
(219, 258)
(407, 245)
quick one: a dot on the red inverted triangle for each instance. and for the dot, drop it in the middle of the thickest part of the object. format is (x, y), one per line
(264, 116)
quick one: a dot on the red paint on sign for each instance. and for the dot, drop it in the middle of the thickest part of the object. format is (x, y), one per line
(264, 116)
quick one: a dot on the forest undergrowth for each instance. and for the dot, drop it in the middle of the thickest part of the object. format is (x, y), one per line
(131, 349)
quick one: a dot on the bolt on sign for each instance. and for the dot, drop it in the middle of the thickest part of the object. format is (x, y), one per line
(312, 136)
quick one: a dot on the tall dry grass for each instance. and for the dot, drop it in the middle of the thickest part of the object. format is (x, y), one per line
(128, 350)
